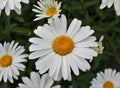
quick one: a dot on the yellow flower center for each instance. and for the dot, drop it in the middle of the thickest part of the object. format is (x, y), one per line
(6, 61)
(51, 11)
(63, 45)
(108, 84)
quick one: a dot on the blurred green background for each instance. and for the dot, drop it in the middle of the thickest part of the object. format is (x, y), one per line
(105, 22)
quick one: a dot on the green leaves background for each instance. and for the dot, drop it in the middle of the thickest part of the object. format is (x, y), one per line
(105, 22)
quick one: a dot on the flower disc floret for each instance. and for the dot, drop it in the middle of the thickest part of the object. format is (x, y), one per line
(5, 60)
(63, 45)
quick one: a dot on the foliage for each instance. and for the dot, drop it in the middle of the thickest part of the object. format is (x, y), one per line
(105, 22)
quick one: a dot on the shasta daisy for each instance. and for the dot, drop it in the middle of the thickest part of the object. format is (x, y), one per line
(11, 58)
(109, 3)
(108, 79)
(37, 81)
(61, 50)
(9, 5)
(47, 9)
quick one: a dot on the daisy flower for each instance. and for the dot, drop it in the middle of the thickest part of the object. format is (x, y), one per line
(107, 79)
(36, 81)
(12, 5)
(61, 50)
(47, 9)
(109, 3)
(100, 47)
(11, 56)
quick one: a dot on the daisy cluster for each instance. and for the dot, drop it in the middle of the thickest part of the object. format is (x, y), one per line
(58, 49)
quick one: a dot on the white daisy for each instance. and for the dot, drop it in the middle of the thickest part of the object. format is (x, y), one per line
(11, 58)
(100, 47)
(36, 81)
(109, 3)
(61, 50)
(12, 5)
(47, 9)
(109, 79)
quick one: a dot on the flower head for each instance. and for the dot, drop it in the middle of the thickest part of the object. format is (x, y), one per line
(109, 3)
(11, 56)
(36, 81)
(60, 49)
(100, 47)
(47, 8)
(107, 79)
(12, 5)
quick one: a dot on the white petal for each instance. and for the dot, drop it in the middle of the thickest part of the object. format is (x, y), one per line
(75, 29)
(36, 40)
(39, 18)
(110, 3)
(86, 44)
(25, 1)
(0, 11)
(15, 70)
(27, 81)
(1, 75)
(53, 28)
(71, 27)
(64, 69)
(2, 51)
(46, 81)
(55, 70)
(45, 34)
(85, 52)
(41, 5)
(20, 58)
(12, 47)
(49, 82)
(22, 86)
(54, 65)
(58, 86)
(5, 76)
(81, 63)
(38, 54)
(17, 10)
(20, 66)
(63, 24)
(7, 10)
(37, 11)
(44, 64)
(57, 25)
(41, 46)
(91, 38)
(19, 51)
(83, 33)
(19, 48)
(11, 4)
(18, 5)
(103, 5)
(3, 3)
(118, 12)
(72, 63)
(117, 5)
(10, 75)
(35, 78)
